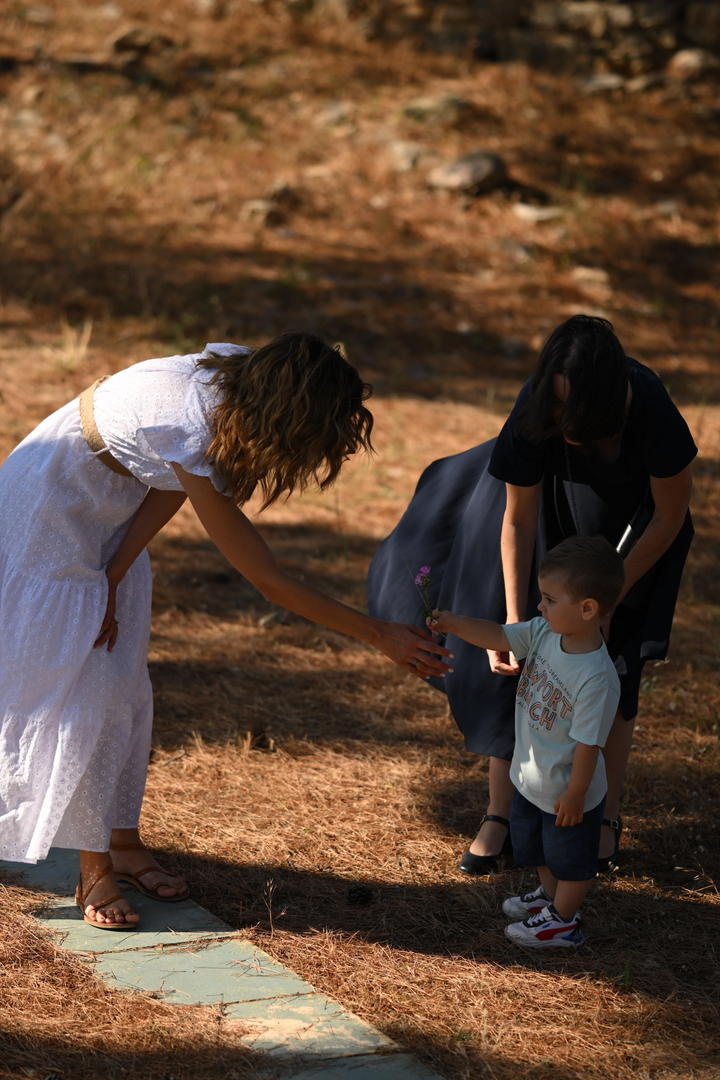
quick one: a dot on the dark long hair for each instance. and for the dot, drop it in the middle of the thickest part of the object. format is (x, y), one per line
(291, 412)
(586, 352)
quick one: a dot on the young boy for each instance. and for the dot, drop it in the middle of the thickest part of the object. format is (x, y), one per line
(567, 698)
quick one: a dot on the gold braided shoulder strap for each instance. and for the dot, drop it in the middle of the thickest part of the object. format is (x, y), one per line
(91, 433)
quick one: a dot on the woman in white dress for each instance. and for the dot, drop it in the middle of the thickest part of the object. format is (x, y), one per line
(80, 498)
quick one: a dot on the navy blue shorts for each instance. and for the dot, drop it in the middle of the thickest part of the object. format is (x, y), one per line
(570, 852)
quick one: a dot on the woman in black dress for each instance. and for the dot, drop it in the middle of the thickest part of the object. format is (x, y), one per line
(592, 445)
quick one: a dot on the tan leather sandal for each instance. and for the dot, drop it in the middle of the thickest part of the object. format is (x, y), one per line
(81, 899)
(134, 879)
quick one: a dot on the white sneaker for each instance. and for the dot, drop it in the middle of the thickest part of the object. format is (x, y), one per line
(519, 907)
(546, 930)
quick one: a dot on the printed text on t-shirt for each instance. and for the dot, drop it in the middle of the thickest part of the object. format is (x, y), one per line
(542, 694)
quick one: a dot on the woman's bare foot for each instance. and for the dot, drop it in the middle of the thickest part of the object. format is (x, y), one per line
(117, 911)
(133, 860)
(490, 839)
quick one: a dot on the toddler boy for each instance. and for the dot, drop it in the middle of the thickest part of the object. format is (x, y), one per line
(567, 698)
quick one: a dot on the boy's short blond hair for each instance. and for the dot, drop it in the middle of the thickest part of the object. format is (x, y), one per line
(589, 567)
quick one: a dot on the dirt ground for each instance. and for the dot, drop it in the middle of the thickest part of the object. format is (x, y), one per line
(289, 763)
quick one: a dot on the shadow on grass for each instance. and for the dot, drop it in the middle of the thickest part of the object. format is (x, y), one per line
(27, 1054)
(387, 319)
(668, 941)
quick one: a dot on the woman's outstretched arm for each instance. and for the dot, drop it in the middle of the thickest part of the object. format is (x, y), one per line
(517, 544)
(155, 511)
(242, 545)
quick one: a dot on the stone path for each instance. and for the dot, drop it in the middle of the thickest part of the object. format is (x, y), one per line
(187, 956)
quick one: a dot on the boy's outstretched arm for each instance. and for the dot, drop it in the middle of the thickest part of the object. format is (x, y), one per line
(570, 805)
(155, 511)
(482, 632)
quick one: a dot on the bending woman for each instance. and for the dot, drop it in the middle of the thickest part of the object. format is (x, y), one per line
(80, 498)
(593, 444)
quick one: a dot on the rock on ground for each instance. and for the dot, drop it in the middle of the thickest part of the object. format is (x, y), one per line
(473, 173)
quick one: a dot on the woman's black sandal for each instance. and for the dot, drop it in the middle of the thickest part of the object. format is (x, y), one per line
(610, 862)
(487, 864)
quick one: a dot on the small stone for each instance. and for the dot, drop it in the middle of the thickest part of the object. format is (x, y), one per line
(527, 212)
(110, 11)
(640, 83)
(590, 275)
(465, 328)
(403, 155)
(689, 64)
(668, 208)
(439, 109)
(379, 202)
(597, 84)
(480, 171)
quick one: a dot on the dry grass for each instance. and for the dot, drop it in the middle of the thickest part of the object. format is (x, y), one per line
(290, 763)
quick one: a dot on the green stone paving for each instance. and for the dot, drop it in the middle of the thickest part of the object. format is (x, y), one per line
(185, 955)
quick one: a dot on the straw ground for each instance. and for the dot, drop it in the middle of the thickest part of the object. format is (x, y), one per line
(291, 766)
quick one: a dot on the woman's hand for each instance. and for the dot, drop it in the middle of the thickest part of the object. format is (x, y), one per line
(109, 628)
(412, 649)
(503, 663)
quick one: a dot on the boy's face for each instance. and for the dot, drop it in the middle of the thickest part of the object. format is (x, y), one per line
(563, 613)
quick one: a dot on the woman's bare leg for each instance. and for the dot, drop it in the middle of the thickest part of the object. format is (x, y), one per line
(135, 860)
(119, 911)
(616, 753)
(492, 834)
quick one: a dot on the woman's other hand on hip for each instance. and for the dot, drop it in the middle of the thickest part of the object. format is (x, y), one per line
(109, 629)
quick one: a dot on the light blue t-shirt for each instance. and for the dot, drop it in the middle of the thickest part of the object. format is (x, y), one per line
(562, 699)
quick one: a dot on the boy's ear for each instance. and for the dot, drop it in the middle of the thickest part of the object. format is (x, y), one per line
(590, 608)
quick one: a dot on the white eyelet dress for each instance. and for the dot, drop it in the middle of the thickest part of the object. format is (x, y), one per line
(75, 721)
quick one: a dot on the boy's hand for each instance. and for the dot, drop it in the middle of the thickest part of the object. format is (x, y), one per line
(569, 808)
(439, 621)
(109, 628)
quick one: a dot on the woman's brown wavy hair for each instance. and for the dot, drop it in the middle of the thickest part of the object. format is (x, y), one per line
(291, 412)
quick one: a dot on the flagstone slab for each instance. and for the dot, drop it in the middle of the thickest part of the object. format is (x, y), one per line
(307, 1027)
(59, 873)
(160, 924)
(232, 971)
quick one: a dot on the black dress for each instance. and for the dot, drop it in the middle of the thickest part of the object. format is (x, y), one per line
(453, 525)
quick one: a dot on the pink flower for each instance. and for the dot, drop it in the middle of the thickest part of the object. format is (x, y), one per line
(422, 572)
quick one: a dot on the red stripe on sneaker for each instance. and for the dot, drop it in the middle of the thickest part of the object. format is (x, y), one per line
(543, 935)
